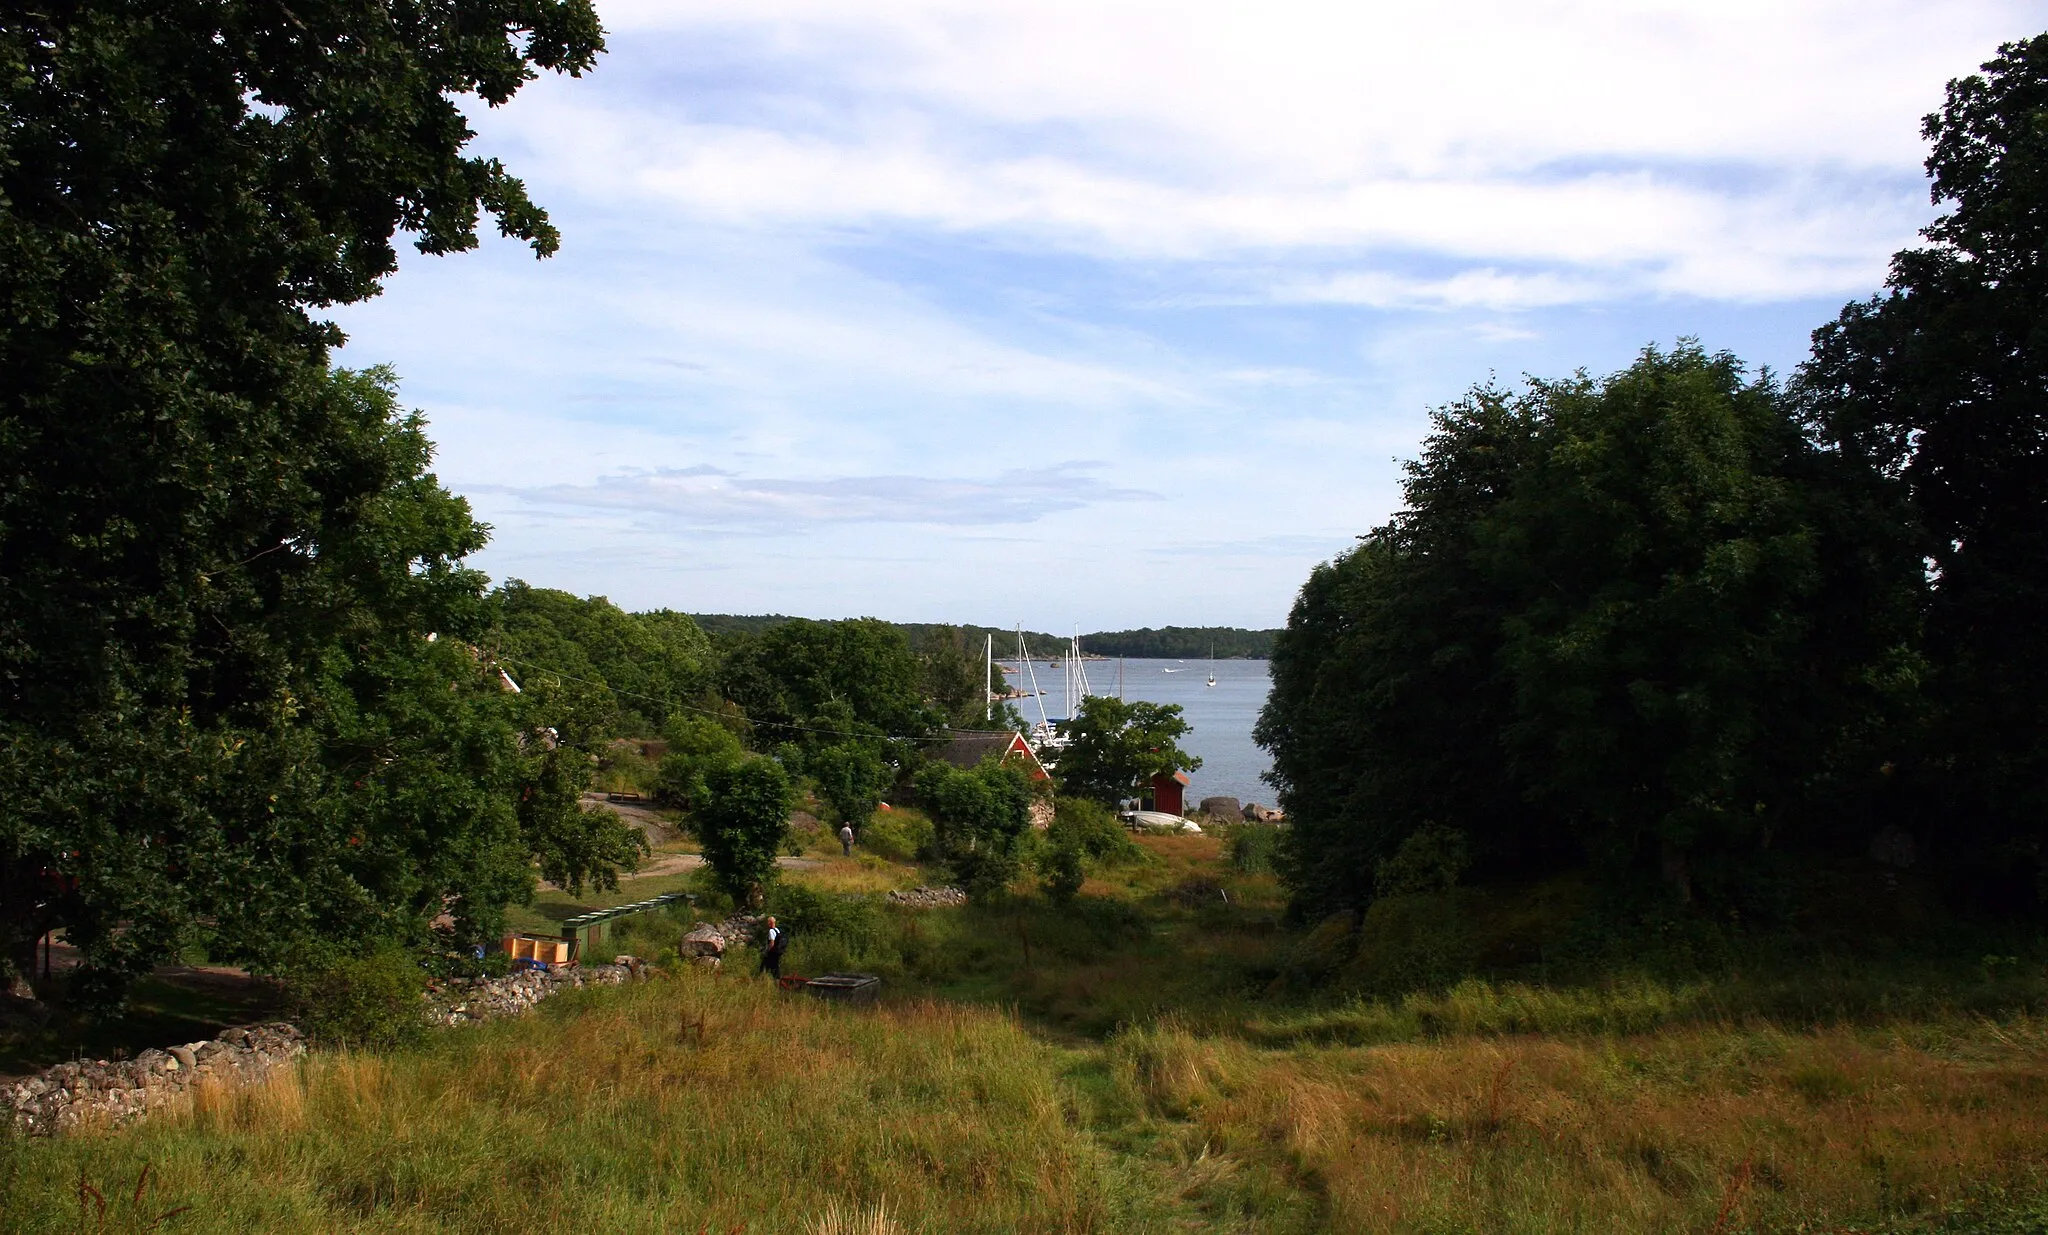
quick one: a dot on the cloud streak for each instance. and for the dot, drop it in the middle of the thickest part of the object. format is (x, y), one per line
(705, 497)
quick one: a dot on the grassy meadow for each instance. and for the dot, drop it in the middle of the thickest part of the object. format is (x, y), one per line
(1151, 1058)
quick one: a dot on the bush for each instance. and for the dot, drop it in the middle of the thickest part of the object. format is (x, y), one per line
(371, 1002)
(1413, 941)
(1061, 870)
(982, 819)
(899, 835)
(743, 824)
(1250, 847)
(1090, 827)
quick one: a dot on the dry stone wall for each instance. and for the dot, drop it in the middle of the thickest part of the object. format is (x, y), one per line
(103, 1092)
(99, 1092)
(483, 999)
(929, 898)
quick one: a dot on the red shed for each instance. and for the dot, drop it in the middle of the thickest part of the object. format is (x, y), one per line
(1169, 793)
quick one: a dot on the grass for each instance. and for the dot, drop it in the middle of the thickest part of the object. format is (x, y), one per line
(1146, 1060)
(697, 1102)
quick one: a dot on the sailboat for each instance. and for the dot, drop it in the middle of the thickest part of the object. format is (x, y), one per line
(1212, 664)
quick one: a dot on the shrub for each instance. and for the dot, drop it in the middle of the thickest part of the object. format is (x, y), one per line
(744, 823)
(899, 835)
(1413, 941)
(1250, 847)
(982, 818)
(1094, 831)
(1061, 870)
(1431, 859)
(370, 1002)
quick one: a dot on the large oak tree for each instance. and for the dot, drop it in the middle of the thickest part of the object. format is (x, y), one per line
(220, 713)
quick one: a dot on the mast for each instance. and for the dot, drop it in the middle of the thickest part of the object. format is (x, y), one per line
(988, 680)
(1024, 655)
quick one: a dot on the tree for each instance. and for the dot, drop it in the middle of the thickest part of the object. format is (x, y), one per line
(852, 777)
(954, 675)
(635, 668)
(1114, 748)
(981, 818)
(1633, 622)
(743, 824)
(1939, 384)
(816, 682)
(221, 714)
(698, 747)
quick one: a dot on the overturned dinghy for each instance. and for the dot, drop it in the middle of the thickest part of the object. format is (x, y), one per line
(1159, 820)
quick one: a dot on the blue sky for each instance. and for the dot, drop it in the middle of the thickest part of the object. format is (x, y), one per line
(1114, 314)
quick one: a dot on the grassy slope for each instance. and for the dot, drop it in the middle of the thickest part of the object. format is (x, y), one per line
(1136, 1073)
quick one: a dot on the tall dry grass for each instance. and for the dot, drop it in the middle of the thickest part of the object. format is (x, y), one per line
(691, 1103)
(1707, 1129)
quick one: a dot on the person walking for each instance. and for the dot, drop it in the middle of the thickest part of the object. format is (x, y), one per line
(771, 951)
(846, 838)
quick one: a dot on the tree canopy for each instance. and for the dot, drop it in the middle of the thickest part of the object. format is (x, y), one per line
(221, 714)
(1628, 621)
(1115, 747)
(1941, 386)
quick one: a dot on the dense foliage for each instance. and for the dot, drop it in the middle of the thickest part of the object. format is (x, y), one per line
(982, 817)
(1632, 622)
(221, 715)
(1940, 386)
(1678, 625)
(629, 672)
(1115, 747)
(744, 823)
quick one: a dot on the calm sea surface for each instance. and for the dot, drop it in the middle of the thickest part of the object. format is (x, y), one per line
(1222, 715)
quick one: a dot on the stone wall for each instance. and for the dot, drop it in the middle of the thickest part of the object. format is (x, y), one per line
(111, 1093)
(463, 1003)
(99, 1092)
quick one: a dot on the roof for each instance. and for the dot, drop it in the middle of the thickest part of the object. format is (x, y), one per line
(1182, 777)
(968, 747)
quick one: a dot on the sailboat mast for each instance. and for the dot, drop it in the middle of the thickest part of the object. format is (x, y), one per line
(988, 679)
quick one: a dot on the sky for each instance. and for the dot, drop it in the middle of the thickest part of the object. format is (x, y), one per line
(1118, 313)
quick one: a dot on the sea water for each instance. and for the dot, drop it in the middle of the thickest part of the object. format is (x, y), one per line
(1221, 716)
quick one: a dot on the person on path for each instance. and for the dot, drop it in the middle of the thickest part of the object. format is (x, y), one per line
(846, 838)
(771, 952)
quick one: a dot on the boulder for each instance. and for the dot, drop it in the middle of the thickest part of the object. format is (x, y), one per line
(704, 939)
(1225, 809)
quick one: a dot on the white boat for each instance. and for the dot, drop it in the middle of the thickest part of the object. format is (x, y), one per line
(1212, 664)
(1159, 819)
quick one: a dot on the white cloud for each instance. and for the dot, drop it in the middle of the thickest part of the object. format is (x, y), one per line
(705, 497)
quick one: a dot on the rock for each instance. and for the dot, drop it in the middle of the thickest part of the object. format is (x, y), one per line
(100, 1093)
(1225, 809)
(928, 898)
(1264, 814)
(703, 940)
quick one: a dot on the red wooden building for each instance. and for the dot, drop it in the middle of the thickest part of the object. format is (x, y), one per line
(1169, 793)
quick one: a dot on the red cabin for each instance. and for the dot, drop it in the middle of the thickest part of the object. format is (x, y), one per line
(1169, 793)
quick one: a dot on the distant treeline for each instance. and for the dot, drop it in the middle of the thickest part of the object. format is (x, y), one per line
(1167, 642)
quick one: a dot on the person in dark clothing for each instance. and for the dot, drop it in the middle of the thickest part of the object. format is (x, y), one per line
(771, 950)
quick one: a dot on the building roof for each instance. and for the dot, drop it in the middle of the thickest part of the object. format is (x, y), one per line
(968, 747)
